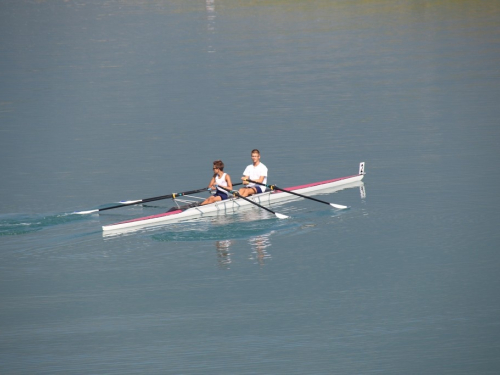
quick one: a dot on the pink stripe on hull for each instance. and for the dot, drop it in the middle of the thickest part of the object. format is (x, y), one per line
(317, 183)
(148, 217)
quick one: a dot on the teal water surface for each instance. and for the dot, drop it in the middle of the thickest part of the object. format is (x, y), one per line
(117, 100)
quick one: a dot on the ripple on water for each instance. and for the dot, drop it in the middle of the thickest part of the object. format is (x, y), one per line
(19, 224)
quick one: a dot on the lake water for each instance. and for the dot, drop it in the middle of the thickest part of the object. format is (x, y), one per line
(102, 101)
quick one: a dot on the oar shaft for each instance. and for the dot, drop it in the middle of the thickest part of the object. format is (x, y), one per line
(300, 195)
(274, 187)
(145, 200)
(175, 195)
(281, 216)
(152, 199)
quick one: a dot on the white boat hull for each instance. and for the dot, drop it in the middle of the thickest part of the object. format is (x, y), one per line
(232, 205)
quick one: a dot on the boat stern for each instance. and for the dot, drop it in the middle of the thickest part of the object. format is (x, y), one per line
(362, 168)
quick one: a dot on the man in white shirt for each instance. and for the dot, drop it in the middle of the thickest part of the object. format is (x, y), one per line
(256, 172)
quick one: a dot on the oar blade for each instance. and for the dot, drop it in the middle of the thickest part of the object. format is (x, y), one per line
(338, 206)
(85, 212)
(281, 216)
(130, 202)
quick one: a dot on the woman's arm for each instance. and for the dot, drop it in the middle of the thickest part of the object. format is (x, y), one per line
(229, 183)
(212, 183)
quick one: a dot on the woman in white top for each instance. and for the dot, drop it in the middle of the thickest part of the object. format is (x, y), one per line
(219, 179)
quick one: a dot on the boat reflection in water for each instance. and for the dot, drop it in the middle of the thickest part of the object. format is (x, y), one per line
(260, 244)
(210, 7)
(223, 253)
(249, 221)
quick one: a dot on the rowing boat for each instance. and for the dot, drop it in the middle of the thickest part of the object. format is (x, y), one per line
(234, 204)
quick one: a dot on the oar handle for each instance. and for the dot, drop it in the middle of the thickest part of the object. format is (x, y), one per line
(272, 187)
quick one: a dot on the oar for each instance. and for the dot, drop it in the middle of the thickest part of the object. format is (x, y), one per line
(278, 215)
(145, 200)
(274, 187)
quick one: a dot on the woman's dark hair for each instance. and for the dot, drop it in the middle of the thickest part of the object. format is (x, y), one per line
(219, 164)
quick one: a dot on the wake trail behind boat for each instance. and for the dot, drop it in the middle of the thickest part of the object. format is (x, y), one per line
(19, 224)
